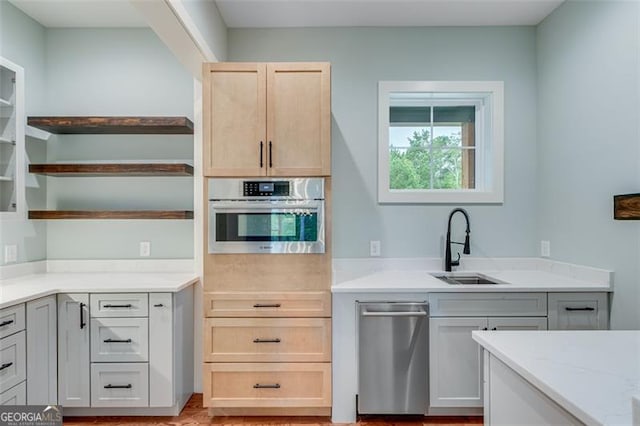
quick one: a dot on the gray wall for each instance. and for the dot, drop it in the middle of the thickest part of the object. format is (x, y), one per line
(589, 140)
(22, 41)
(117, 72)
(360, 57)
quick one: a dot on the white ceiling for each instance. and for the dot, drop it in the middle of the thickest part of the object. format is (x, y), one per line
(303, 13)
(82, 13)
(365, 13)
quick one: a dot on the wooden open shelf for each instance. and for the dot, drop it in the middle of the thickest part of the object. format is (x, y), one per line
(113, 169)
(110, 214)
(113, 125)
(626, 207)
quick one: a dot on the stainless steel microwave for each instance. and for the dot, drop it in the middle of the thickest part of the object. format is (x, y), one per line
(266, 215)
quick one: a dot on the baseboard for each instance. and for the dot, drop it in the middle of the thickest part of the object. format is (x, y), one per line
(121, 411)
(271, 412)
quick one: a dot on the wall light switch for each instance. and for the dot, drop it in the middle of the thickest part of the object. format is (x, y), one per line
(545, 248)
(10, 253)
(374, 248)
(145, 248)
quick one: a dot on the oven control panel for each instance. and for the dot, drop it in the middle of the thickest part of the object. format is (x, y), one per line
(266, 189)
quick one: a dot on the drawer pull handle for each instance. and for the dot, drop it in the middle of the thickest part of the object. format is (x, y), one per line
(266, 305)
(82, 322)
(6, 365)
(128, 305)
(3, 323)
(118, 386)
(158, 305)
(586, 308)
(273, 386)
(117, 341)
(266, 340)
(494, 329)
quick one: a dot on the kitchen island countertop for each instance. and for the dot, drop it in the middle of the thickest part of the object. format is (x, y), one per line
(591, 374)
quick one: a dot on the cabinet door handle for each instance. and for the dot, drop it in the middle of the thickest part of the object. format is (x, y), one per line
(495, 329)
(117, 341)
(129, 386)
(266, 340)
(269, 386)
(266, 305)
(270, 155)
(6, 365)
(82, 323)
(485, 328)
(128, 305)
(158, 305)
(586, 308)
(3, 323)
(261, 163)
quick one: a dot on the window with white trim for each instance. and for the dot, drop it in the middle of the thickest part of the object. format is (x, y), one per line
(440, 142)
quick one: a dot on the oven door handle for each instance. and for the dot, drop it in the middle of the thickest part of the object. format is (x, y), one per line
(258, 206)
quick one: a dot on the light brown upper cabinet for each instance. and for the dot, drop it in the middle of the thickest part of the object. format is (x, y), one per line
(270, 119)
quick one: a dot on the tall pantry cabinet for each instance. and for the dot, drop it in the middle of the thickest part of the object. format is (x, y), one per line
(267, 317)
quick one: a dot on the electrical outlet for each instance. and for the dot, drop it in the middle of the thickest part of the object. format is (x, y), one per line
(545, 248)
(10, 253)
(374, 248)
(145, 248)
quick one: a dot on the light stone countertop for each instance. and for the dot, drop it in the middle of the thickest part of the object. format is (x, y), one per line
(591, 374)
(30, 287)
(398, 281)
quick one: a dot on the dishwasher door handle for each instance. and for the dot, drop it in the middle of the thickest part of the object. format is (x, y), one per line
(366, 313)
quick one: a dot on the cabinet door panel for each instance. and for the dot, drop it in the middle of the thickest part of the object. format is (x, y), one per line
(234, 118)
(299, 119)
(73, 350)
(454, 363)
(42, 354)
(161, 350)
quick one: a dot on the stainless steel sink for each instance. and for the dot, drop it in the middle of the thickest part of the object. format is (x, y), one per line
(461, 278)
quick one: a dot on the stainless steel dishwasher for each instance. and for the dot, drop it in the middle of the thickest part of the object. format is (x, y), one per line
(393, 358)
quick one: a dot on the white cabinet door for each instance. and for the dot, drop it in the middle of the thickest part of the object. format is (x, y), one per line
(455, 362)
(73, 350)
(161, 353)
(578, 311)
(517, 323)
(42, 354)
(13, 361)
(119, 339)
(17, 395)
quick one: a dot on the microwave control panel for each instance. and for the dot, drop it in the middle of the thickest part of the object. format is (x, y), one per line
(266, 189)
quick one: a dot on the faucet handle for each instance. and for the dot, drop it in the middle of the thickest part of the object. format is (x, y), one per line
(456, 262)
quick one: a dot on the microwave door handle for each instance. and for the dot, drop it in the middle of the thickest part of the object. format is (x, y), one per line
(231, 207)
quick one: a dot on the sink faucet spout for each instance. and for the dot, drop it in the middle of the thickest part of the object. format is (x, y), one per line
(448, 262)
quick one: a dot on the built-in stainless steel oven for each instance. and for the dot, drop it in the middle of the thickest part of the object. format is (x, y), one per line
(266, 215)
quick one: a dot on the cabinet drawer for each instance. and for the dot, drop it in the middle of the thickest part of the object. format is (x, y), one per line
(267, 339)
(488, 304)
(267, 385)
(578, 311)
(13, 357)
(12, 320)
(120, 385)
(119, 305)
(17, 395)
(268, 304)
(119, 339)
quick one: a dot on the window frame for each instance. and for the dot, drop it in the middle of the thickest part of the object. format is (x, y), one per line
(489, 142)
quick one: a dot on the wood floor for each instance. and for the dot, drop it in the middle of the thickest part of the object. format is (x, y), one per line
(193, 414)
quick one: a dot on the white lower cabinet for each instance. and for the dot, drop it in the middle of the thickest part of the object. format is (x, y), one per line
(73, 350)
(13, 365)
(141, 359)
(119, 385)
(455, 359)
(578, 311)
(42, 351)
